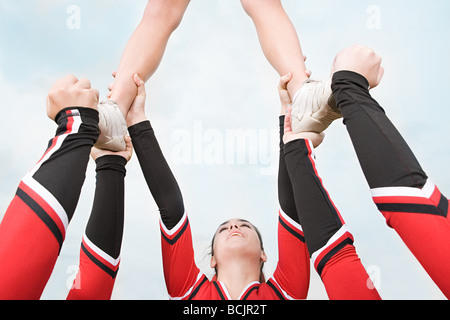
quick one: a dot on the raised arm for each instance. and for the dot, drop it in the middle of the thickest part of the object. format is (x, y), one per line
(35, 223)
(402, 191)
(156, 170)
(329, 241)
(180, 270)
(102, 241)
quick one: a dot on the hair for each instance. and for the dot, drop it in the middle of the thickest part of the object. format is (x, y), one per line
(261, 276)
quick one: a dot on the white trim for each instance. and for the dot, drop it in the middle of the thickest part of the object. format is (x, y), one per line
(228, 296)
(100, 252)
(225, 290)
(281, 288)
(48, 198)
(246, 288)
(290, 220)
(199, 275)
(425, 192)
(41, 190)
(313, 150)
(59, 140)
(330, 241)
(176, 227)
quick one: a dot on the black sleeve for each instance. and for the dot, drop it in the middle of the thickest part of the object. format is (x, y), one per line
(62, 169)
(160, 179)
(318, 216)
(105, 225)
(285, 192)
(385, 157)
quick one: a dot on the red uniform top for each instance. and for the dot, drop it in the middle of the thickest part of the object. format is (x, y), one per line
(185, 281)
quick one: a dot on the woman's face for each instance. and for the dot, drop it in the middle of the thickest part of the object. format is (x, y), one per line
(236, 238)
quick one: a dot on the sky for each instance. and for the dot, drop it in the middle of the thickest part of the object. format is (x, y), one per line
(214, 106)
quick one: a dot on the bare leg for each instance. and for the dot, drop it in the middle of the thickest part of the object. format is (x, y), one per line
(146, 47)
(279, 40)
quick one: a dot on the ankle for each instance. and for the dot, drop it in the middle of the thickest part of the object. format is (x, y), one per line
(123, 97)
(295, 85)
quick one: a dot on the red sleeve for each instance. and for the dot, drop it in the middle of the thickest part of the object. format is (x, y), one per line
(34, 226)
(292, 274)
(96, 275)
(180, 271)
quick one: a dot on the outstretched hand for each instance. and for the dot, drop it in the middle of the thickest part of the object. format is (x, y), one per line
(71, 92)
(127, 153)
(286, 101)
(136, 113)
(283, 92)
(285, 98)
(362, 60)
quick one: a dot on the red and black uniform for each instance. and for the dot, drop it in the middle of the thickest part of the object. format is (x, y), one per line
(102, 241)
(307, 213)
(329, 241)
(412, 205)
(35, 223)
(183, 278)
(33, 229)
(186, 282)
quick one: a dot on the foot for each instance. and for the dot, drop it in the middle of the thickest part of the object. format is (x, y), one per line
(113, 127)
(314, 107)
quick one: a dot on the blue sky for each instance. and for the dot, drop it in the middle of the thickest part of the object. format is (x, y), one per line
(212, 86)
